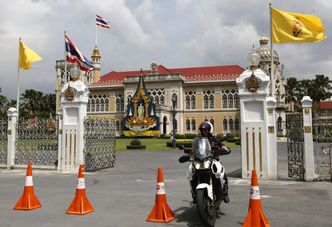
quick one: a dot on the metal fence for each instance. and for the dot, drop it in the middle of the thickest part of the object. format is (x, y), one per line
(99, 148)
(3, 142)
(37, 143)
(295, 145)
(322, 134)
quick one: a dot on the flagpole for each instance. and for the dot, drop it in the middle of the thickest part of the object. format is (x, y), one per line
(272, 86)
(18, 82)
(96, 34)
(65, 53)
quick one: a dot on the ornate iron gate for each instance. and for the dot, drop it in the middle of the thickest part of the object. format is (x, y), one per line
(99, 145)
(295, 143)
(322, 133)
(3, 142)
(37, 143)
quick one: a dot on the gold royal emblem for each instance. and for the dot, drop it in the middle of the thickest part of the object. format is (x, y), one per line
(297, 28)
(70, 93)
(50, 124)
(253, 83)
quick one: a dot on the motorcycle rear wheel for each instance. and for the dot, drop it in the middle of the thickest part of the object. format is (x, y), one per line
(206, 208)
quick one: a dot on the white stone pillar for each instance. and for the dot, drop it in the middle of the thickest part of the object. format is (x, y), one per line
(309, 163)
(11, 137)
(74, 99)
(257, 152)
(60, 142)
(271, 138)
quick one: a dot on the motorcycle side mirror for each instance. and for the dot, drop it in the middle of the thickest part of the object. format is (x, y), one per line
(184, 158)
(181, 147)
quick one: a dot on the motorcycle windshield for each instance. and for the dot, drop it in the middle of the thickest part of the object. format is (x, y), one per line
(201, 148)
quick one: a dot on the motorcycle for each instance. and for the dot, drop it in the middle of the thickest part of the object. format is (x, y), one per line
(206, 176)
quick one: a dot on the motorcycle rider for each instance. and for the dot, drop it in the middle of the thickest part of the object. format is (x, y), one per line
(206, 129)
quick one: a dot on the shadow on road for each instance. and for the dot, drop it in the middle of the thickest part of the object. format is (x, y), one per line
(189, 215)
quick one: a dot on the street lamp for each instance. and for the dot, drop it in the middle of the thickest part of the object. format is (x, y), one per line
(174, 128)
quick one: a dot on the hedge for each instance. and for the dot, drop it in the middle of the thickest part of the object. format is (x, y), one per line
(136, 147)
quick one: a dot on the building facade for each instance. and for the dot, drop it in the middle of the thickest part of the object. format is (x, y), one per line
(201, 93)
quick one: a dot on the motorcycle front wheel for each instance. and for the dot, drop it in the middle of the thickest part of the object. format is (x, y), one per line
(206, 208)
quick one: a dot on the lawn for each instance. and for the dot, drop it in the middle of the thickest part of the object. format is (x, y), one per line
(153, 143)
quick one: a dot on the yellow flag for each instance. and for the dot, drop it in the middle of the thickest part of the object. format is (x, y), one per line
(26, 56)
(290, 27)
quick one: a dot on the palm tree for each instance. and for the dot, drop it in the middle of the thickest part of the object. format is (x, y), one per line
(320, 88)
(290, 91)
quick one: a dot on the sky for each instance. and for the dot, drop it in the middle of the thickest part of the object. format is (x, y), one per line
(174, 33)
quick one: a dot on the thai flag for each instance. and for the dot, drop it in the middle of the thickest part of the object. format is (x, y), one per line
(102, 22)
(74, 55)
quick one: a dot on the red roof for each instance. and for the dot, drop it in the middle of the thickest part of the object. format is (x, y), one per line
(228, 72)
(325, 105)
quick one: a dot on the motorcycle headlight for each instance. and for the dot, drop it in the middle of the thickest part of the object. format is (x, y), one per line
(197, 165)
(207, 164)
(202, 165)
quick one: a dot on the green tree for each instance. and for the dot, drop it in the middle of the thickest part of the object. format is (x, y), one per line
(4, 105)
(320, 88)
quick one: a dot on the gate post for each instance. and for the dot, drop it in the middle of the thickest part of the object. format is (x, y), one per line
(74, 99)
(11, 137)
(272, 138)
(309, 163)
(60, 141)
(257, 151)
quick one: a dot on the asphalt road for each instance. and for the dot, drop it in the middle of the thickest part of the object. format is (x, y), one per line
(124, 195)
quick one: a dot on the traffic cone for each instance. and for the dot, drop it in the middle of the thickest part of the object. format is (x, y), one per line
(161, 211)
(255, 216)
(80, 205)
(28, 200)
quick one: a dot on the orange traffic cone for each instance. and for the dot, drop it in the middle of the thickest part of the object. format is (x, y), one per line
(80, 205)
(28, 200)
(255, 216)
(161, 211)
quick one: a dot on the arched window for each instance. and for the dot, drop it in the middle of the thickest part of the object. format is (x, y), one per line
(107, 104)
(231, 125)
(236, 101)
(237, 125)
(92, 105)
(225, 124)
(102, 105)
(212, 122)
(279, 124)
(193, 124)
(175, 97)
(193, 102)
(224, 101)
(230, 101)
(97, 105)
(211, 101)
(188, 125)
(119, 102)
(206, 101)
(188, 102)
(190, 99)
(157, 100)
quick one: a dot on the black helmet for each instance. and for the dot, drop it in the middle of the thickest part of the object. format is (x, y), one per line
(205, 125)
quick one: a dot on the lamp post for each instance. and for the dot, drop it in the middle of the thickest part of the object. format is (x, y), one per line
(174, 128)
